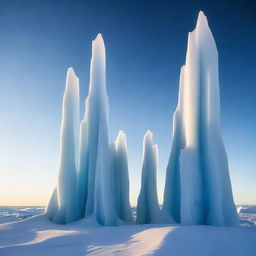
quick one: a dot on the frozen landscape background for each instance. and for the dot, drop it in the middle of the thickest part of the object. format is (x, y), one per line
(247, 213)
(41, 42)
(198, 213)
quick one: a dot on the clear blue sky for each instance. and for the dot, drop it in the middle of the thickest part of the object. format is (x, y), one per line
(146, 45)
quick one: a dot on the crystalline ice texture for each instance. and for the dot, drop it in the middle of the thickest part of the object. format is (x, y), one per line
(121, 178)
(148, 208)
(95, 178)
(198, 188)
(62, 207)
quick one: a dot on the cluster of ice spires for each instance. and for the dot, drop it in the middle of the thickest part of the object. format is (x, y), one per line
(93, 174)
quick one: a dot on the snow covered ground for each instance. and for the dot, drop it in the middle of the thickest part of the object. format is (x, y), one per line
(247, 213)
(38, 236)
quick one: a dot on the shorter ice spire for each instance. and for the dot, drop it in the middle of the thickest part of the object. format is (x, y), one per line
(62, 207)
(121, 177)
(148, 210)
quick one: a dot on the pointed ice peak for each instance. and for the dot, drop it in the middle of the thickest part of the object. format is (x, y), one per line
(201, 18)
(121, 134)
(148, 138)
(98, 66)
(71, 79)
(147, 143)
(148, 134)
(98, 44)
(201, 21)
(71, 71)
(99, 37)
(120, 140)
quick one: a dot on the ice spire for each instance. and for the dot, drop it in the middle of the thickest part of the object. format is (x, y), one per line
(66, 193)
(96, 186)
(121, 177)
(147, 207)
(198, 188)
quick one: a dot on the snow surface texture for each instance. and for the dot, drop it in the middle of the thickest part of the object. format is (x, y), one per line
(148, 210)
(93, 175)
(198, 188)
(39, 237)
(17, 213)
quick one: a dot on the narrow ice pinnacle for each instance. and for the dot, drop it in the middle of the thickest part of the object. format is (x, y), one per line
(198, 188)
(62, 207)
(96, 186)
(147, 207)
(121, 177)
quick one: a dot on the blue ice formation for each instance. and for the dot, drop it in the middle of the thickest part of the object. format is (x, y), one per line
(62, 207)
(148, 210)
(93, 179)
(85, 184)
(121, 178)
(198, 188)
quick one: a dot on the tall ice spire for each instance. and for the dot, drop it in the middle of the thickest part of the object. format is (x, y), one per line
(198, 188)
(96, 186)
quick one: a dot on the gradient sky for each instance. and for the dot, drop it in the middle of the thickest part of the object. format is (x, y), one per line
(146, 46)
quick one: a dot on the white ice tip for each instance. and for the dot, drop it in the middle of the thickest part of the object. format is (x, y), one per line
(121, 136)
(201, 19)
(148, 131)
(71, 71)
(121, 133)
(71, 78)
(99, 39)
(121, 139)
(99, 36)
(98, 43)
(148, 137)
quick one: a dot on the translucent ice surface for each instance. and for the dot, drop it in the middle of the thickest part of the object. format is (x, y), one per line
(121, 178)
(95, 178)
(64, 197)
(198, 188)
(148, 208)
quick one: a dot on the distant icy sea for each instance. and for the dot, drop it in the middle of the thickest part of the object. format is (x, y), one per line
(17, 213)
(247, 213)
